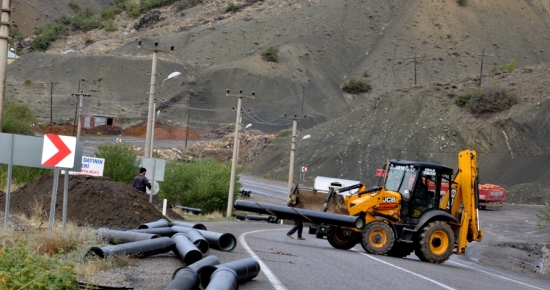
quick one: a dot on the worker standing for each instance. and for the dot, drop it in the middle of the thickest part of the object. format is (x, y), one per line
(141, 182)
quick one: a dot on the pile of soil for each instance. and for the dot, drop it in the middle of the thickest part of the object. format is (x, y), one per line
(65, 130)
(162, 131)
(93, 201)
(104, 130)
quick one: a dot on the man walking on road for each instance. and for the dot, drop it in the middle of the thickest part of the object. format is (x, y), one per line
(141, 182)
(298, 226)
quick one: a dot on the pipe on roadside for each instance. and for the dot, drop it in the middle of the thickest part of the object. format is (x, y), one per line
(139, 249)
(225, 242)
(122, 237)
(188, 225)
(292, 213)
(186, 278)
(158, 224)
(223, 279)
(195, 237)
(244, 269)
(163, 232)
(185, 250)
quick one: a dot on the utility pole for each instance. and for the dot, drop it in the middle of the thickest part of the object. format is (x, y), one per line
(51, 103)
(151, 111)
(76, 106)
(236, 141)
(292, 149)
(481, 71)
(4, 37)
(79, 96)
(188, 117)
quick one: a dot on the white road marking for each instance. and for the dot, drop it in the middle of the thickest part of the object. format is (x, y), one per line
(505, 278)
(405, 270)
(267, 272)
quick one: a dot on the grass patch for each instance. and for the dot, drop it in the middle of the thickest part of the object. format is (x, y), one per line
(487, 99)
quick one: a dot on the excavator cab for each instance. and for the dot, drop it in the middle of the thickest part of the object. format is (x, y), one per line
(419, 184)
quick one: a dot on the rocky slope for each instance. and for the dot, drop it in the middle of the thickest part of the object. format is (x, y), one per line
(436, 45)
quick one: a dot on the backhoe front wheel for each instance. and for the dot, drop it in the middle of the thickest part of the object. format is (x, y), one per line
(341, 238)
(435, 243)
(377, 238)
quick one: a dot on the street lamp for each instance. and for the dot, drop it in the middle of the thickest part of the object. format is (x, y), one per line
(172, 75)
(248, 126)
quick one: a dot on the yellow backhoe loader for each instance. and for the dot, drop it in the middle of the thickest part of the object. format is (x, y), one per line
(411, 211)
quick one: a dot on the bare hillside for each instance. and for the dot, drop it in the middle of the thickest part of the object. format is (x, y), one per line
(423, 123)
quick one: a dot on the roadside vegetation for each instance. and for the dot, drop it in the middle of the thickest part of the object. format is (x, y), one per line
(31, 258)
(200, 184)
(483, 100)
(18, 119)
(120, 161)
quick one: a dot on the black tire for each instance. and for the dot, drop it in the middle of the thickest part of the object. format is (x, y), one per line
(319, 235)
(400, 249)
(377, 238)
(340, 239)
(435, 243)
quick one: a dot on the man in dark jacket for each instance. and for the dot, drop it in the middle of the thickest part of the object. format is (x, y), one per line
(141, 182)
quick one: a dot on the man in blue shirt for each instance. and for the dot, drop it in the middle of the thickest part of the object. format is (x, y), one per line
(141, 182)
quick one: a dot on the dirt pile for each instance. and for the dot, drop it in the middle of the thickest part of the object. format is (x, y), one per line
(93, 201)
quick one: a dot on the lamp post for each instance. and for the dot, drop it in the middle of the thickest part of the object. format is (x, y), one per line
(170, 76)
(292, 149)
(151, 111)
(239, 96)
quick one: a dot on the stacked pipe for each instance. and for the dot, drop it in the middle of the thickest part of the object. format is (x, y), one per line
(190, 243)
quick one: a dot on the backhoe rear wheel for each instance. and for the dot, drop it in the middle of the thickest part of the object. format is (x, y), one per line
(400, 249)
(377, 238)
(435, 243)
(341, 238)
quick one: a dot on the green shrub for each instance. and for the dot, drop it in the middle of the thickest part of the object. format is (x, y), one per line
(74, 6)
(356, 86)
(21, 174)
(86, 20)
(48, 34)
(271, 54)
(110, 12)
(16, 34)
(366, 73)
(120, 161)
(63, 19)
(134, 10)
(18, 118)
(109, 25)
(201, 184)
(20, 268)
(231, 7)
(28, 81)
(284, 133)
(509, 67)
(181, 5)
(462, 2)
(487, 99)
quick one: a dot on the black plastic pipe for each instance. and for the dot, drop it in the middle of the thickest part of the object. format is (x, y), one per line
(191, 209)
(158, 224)
(122, 237)
(225, 242)
(292, 213)
(223, 279)
(195, 237)
(245, 269)
(163, 232)
(188, 225)
(139, 249)
(186, 251)
(186, 278)
(257, 217)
